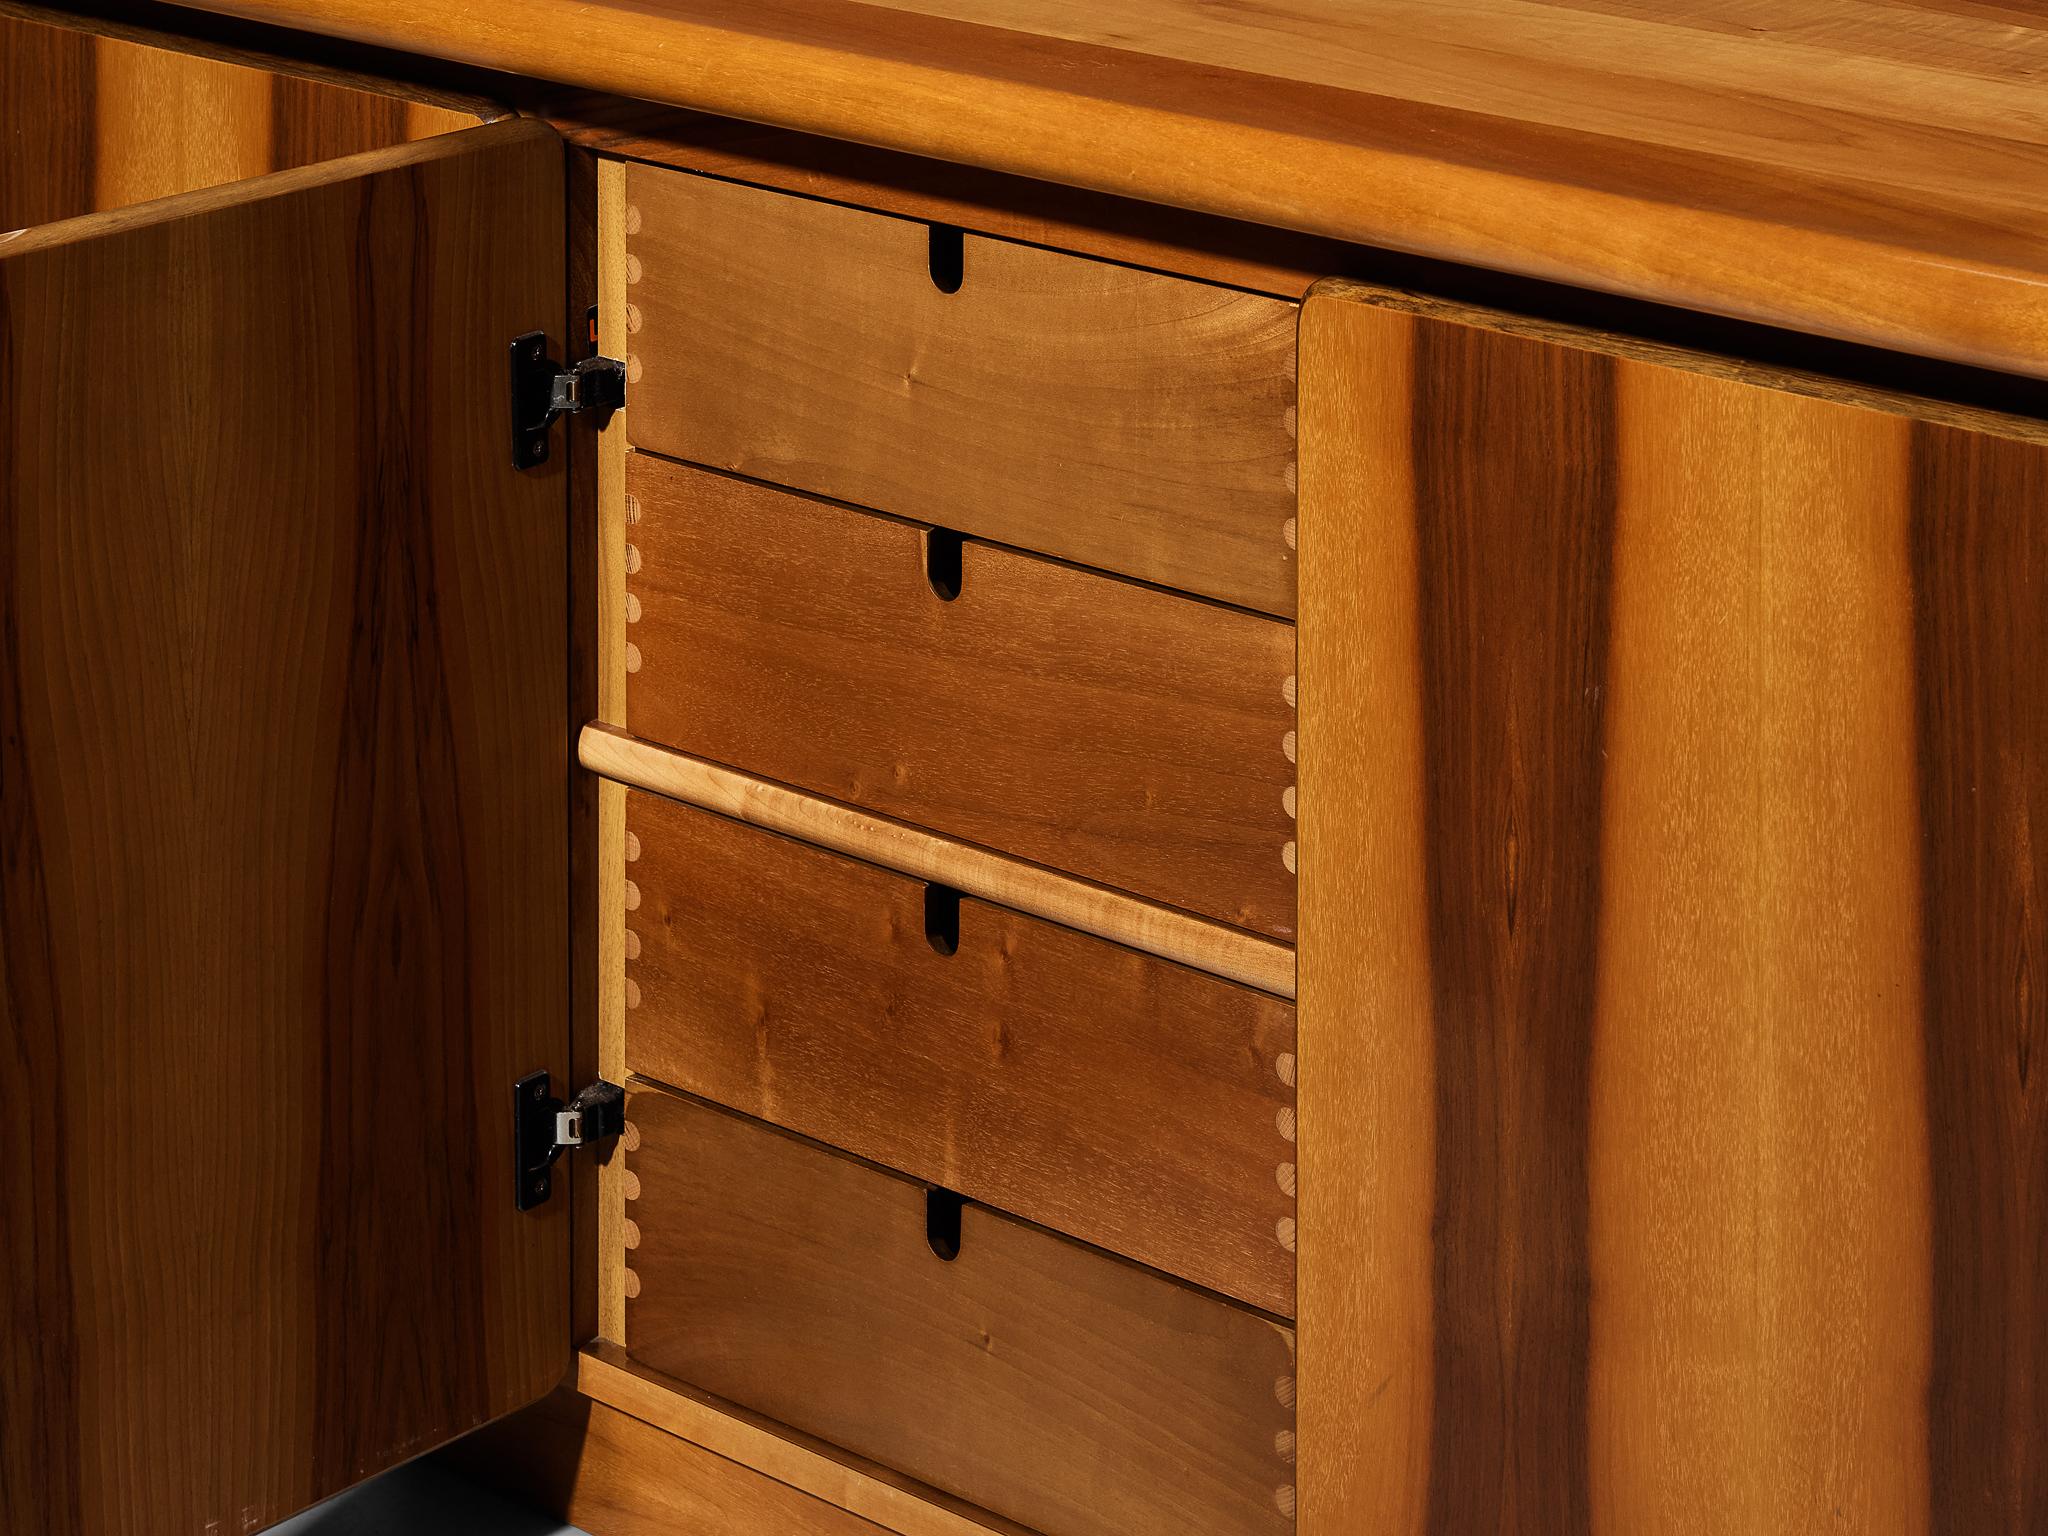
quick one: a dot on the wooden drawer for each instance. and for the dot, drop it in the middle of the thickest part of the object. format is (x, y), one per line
(1131, 736)
(1116, 417)
(1042, 1380)
(1136, 1104)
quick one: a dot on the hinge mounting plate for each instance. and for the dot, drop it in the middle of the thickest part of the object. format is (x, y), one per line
(543, 389)
(543, 1128)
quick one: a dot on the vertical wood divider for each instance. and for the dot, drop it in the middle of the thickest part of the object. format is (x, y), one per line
(1365, 1105)
(611, 707)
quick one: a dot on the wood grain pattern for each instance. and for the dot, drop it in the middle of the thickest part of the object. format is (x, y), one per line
(168, 124)
(591, 1466)
(604, 551)
(1255, 257)
(89, 123)
(1089, 1088)
(1116, 417)
(283, 810)
(178, 29)
(597, 674)
(1166, 932)
(1724, 738)
(1512, 638)
(606, 1374)
(1759, 1154)
(1128, 735)
(1865, 171)
(1366, 1102)
(1979, 559)
(48, 108)
(1045, 1381)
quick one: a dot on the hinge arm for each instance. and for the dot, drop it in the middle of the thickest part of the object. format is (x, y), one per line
(543, 389)
(543, 1128)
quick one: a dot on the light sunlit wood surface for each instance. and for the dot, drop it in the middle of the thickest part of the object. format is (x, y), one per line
(1861, 168)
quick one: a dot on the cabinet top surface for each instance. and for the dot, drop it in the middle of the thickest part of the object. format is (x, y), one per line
(1874, 169)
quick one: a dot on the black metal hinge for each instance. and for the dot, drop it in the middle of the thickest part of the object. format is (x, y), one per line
(543, 389)
(543, 1128)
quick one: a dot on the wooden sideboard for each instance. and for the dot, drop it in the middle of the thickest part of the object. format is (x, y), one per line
(1288, 754)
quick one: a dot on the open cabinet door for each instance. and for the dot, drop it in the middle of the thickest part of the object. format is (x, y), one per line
(283, 822)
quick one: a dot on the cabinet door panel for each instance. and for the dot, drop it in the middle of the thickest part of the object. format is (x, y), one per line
(1673, 733)
(283, 808)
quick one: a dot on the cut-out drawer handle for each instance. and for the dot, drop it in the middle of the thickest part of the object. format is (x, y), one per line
(942, 557)
(942, 1222)
(946, 256)
(942, 918)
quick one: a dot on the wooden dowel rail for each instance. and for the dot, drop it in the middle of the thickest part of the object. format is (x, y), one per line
(1173, 935)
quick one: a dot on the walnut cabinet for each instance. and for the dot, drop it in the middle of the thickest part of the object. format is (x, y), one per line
(1227, 897)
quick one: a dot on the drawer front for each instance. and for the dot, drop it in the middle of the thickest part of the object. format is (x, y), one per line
(1042, 1380)
(1130, 1102)
(1128, 735)
(1140, 423)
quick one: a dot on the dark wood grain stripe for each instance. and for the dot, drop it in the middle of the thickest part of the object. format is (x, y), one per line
(47, 118)
(1981, 622)
(311, 122)
(1513, 616)
(1816, 1190)
(40, 1485)
(406, 1276)
(285, 685)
